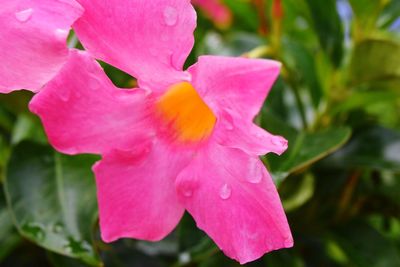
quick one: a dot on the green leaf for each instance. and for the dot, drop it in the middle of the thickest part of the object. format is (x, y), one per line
(375, 60)
(390, 14)
(9, 238)
(27, 127)
(328, 27)
(244, 14)
(364, 99)
(366, 247)
(307, 148)
(234, 44)
(58, 260)
(52, 199)
(301, 194)
(302, 62)
(371, 148)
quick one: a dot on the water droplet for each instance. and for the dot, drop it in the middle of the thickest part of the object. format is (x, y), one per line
(170, 16)
(35, 230)
(58, 228)
(61, 34)
(225, 191)
(255, 171)
(76, 246)
(24, 15)
(187, 192)
(184, 258)
(64, 96)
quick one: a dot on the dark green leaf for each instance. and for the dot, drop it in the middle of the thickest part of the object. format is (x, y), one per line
(372, 148)
(302, 63)
(9, 238)
(307, 148)
(52, 199)
(328, 27)
(366, 247)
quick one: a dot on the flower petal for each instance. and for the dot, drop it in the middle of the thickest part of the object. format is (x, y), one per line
(238, 86)
(234, 200)
(136, 193)
(83, 112)
(33, 41)
(235, 132)
(148, 39)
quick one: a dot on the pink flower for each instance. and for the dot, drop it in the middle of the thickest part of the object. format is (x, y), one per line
(217, 11)
(33, 37)
(182, 140)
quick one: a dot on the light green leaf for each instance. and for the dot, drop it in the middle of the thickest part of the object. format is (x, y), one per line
(375, 60)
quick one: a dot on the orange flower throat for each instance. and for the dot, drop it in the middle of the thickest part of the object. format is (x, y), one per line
(182, 108)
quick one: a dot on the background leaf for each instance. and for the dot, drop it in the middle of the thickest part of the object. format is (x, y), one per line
(52, 199)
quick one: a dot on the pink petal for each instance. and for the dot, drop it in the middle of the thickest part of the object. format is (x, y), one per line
(33, 41)
(235, 132)
(83, 112)
(237, 86)
(136, 192)
(234, 200)
(215, 10)
(148, 39)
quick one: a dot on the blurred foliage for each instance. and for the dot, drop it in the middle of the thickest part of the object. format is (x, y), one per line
(337, 102)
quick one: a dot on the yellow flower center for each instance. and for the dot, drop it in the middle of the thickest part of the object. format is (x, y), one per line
(182, 108)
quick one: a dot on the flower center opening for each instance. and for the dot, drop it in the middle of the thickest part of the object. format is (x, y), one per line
(182, 108)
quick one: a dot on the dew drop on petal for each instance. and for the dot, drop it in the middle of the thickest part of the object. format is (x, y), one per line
(24, 15)
(61, 34)
(170, 16)
(64, 96)
(187, 192)
(225, 191)
(255, 174)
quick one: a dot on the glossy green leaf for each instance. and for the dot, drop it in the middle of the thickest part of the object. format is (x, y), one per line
(328, 27)
(371, 148)
(52, 199)
(27, 127)
(307, 148)
(364, 99)
(231, 45)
